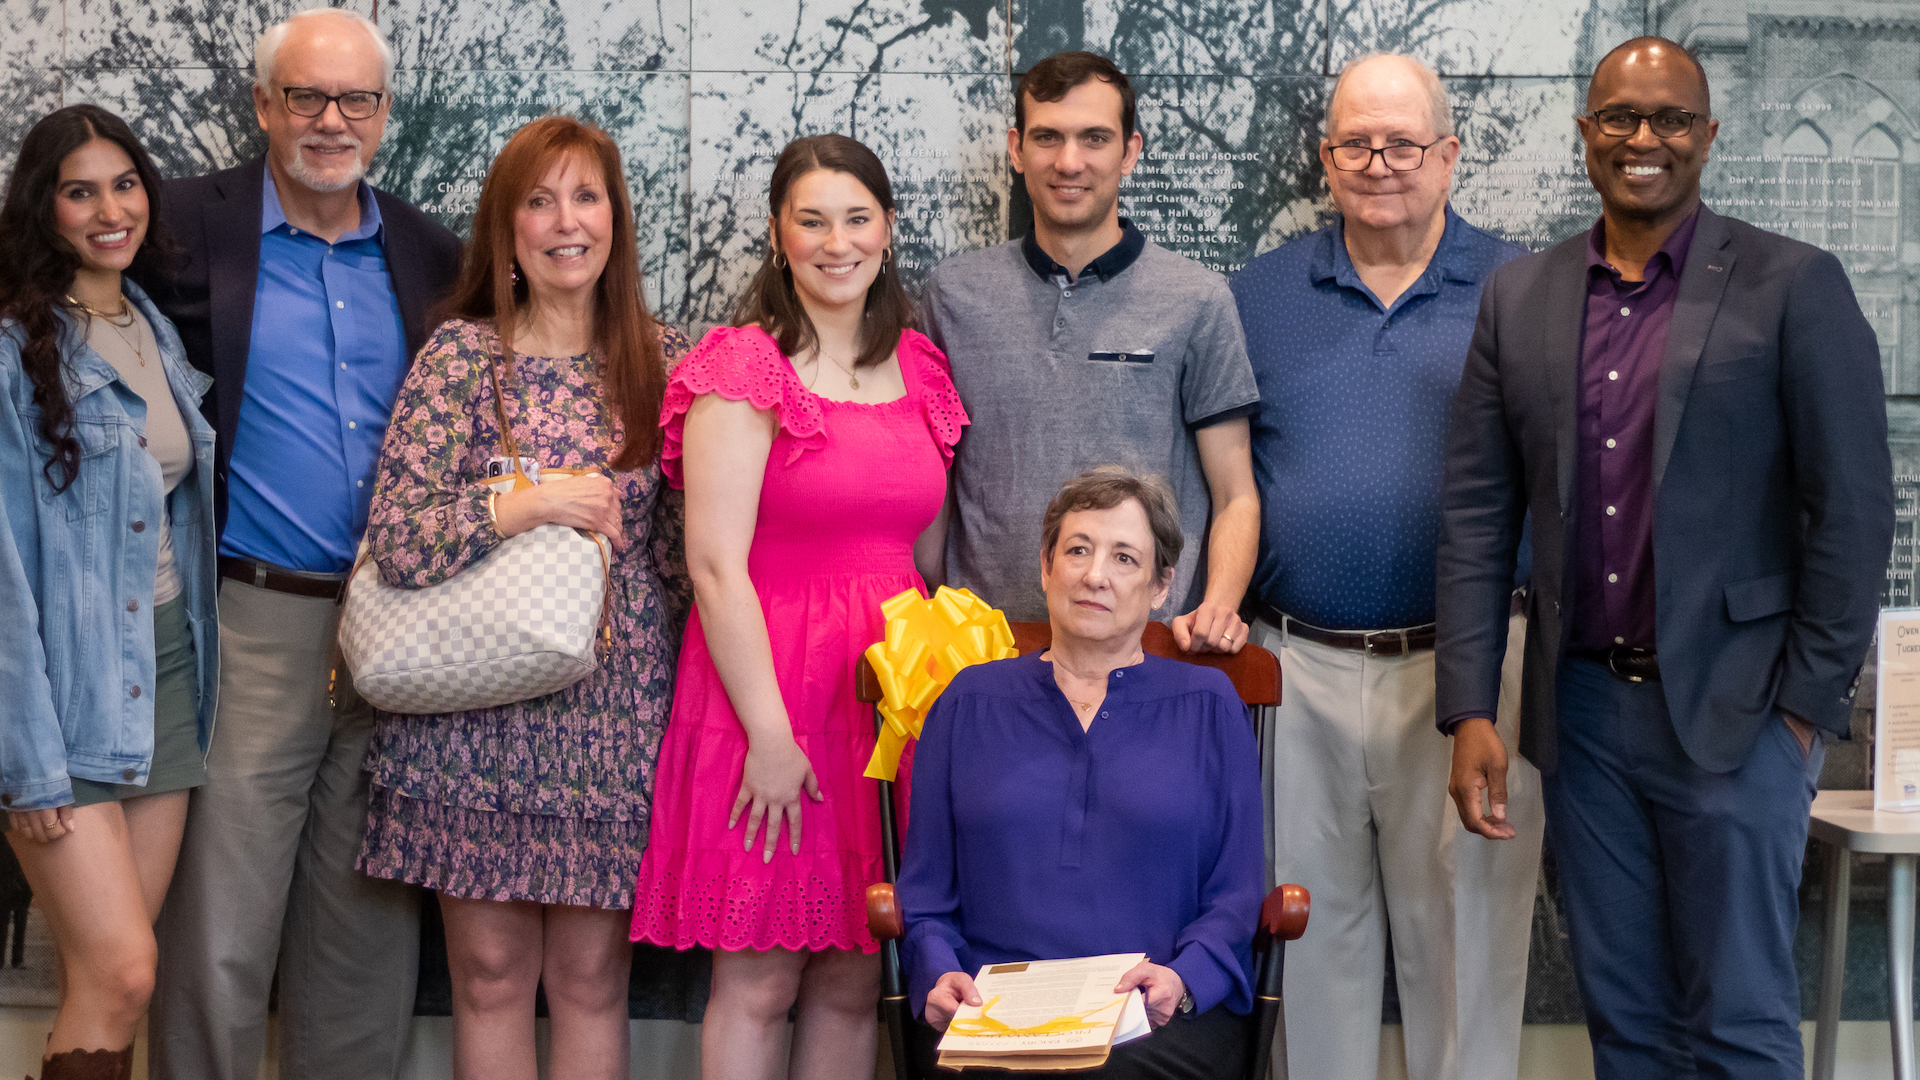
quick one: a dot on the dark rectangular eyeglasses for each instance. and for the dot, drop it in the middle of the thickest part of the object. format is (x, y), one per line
(354, 104)
(1400, 157)
(1666, 123)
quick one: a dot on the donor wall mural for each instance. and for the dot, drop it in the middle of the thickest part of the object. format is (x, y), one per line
(1820, 139)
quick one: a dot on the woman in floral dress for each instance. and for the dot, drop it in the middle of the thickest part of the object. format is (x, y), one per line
(529, 819)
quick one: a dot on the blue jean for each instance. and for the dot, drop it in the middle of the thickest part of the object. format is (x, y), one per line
(1680, 886)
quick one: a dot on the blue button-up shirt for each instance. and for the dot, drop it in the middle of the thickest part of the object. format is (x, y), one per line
(327, 357)
(1348, 446)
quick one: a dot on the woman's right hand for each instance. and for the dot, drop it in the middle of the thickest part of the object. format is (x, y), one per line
(588, 501)
(42, 825)
(770, 785)
(954, 989)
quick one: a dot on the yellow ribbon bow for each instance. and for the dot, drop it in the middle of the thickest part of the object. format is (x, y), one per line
(927, 643)
(988, 1026)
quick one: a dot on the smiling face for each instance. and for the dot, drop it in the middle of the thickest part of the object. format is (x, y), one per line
(1642, 176)
(1383, 102)
(327, 152)
(563, 230)
(100, 207)
(834, 235)
(1100, 582)
(1073, 156)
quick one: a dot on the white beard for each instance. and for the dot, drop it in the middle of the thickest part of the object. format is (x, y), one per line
(328, 181)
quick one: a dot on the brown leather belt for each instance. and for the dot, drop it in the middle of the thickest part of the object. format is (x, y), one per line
(262, 576)
(1372, 642)
(1627, 664)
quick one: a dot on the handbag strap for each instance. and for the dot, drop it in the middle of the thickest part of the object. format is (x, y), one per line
(510, 448)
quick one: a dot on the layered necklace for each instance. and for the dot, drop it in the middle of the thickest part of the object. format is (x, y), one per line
(120, 327)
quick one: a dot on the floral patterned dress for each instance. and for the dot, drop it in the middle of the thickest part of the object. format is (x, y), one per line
(543, 800)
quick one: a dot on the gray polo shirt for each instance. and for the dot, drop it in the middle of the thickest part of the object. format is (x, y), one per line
(1119, 366)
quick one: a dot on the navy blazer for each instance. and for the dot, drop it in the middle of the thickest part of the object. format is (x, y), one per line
(1773, 490)
(208, 290)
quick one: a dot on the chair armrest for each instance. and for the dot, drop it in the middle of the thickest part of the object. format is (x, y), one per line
(883, 913)
(1283, 915)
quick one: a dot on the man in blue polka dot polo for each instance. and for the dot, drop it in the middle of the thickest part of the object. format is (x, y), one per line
(1357, 334)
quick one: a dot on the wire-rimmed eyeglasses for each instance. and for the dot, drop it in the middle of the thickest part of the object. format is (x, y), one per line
(1400, 157)
(354, 104)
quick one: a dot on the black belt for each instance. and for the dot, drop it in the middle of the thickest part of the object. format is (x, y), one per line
(265, 576)
(1628, 664)
(1397, 642)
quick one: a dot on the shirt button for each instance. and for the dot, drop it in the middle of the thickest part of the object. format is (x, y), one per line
(343, 367)
(129, 775)
(339, 303)
(1104, 713)
(139, 526)
(1066, 292)
(351, 424)
(1609, 444)
(1610, 511)
(1626, 311)
(133, 605)
(1619, 641)
(1613, 376)
(1119, 674)
(1612, 578)
(135, 692)
(359, 483)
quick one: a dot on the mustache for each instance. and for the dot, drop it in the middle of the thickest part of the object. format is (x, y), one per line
(320, 142)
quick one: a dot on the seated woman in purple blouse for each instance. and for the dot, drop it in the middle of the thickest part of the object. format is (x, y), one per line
(1091, 799)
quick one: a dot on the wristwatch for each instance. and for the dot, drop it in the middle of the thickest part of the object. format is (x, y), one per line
(1186, 1002)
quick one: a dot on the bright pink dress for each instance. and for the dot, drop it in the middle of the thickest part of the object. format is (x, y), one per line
(847, 490)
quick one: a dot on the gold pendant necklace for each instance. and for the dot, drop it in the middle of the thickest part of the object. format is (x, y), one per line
(119, 328)
(852, 379)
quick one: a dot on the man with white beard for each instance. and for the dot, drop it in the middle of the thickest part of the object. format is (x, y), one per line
(304, 292)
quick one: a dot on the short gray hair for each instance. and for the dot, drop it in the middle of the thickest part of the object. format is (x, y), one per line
(1439, 106)
(1104, 487)
(268, 46)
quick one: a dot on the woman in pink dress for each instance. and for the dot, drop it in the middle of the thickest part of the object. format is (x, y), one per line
(812, 439)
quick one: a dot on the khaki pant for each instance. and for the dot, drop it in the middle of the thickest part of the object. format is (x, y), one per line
(266, 872)
(1357, 780)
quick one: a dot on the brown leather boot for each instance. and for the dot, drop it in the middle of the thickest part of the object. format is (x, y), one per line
(89, 1065)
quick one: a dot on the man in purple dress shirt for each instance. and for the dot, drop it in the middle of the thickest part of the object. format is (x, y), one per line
(1691, 409)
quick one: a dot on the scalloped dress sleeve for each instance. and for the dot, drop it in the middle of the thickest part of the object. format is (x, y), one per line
(740, 363)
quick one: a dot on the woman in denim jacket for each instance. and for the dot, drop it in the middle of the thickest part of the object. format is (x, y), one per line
(107, 650)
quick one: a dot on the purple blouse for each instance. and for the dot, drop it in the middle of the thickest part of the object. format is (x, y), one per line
(1031, 839)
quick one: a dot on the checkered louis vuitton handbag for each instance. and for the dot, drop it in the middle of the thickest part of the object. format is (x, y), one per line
(524, 621)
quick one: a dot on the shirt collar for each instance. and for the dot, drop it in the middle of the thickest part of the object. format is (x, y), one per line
(1330, 261)
(1673, 252)
(272, 216)
(1107, 267)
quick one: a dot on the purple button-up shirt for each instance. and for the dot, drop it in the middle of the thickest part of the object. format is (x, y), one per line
(1620, 353)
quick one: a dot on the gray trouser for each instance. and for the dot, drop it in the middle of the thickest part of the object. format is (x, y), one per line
(1361, 815)
(266, 872)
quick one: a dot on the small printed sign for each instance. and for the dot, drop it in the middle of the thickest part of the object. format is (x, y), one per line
(1896, 712)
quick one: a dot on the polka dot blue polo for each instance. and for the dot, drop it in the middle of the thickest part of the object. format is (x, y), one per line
(1348, 446)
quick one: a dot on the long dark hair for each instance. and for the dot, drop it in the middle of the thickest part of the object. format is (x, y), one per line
(625, 334)
(37, 264)
(770, 301)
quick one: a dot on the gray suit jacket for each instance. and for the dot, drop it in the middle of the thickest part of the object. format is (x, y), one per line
(1773, 490)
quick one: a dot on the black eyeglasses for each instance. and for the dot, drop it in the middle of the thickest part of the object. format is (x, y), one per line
(1622, 123)
(354, 104)
(1400, 157)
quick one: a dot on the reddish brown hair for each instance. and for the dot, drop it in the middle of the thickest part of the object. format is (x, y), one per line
(625, 335)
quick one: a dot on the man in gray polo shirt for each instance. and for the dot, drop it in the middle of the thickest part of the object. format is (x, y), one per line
(1082, 344)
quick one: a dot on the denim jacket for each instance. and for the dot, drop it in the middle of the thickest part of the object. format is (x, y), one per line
(77, 570)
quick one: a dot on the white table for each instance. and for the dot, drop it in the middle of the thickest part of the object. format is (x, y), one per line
(1847, 822)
